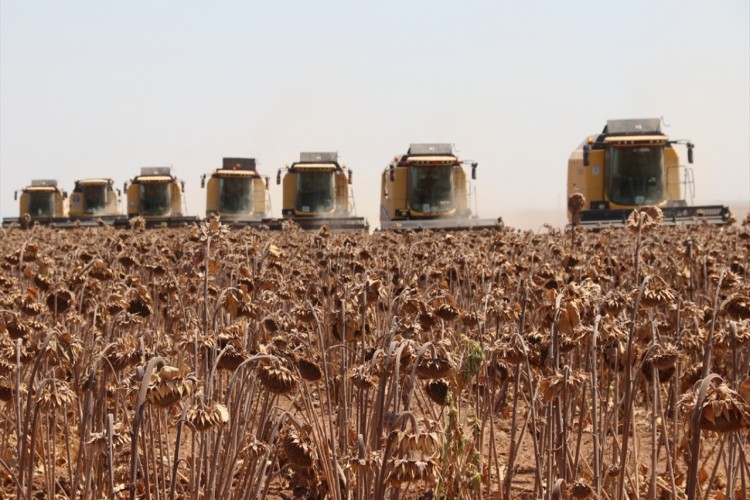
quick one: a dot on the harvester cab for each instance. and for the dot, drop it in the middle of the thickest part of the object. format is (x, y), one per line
(95, 199)
(317, 192)
(630, 164)
(156, 196)
(237, 193)
(42, 202)
(427, 188)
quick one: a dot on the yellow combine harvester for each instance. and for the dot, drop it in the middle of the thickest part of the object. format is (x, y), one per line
(95, 199)
(156, 196)
(317, 192)
(92, 202)
(42, 202)
(630, 164)
(237, 193)
(427, 188)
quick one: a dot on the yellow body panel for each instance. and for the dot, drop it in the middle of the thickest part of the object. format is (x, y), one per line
(341, 191)
(78, 205)
(59, 204)
(394, 193)
(259, 209)
(134, 196)
(589, 180)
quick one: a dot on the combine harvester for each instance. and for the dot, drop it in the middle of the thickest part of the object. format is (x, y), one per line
(93, 202)
(317, 192)
(630, 164)
(427, 188)
(156, 196)
(238, 194)
(42, 202)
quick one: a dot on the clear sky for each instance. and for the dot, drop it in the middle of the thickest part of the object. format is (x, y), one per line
(100, 88)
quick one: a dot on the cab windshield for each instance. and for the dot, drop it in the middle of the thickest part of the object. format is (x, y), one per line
(431, 188)
(315, 192)
(235, 195)
(155, 199)
(634, 175)
(42, 204)
(94, 198)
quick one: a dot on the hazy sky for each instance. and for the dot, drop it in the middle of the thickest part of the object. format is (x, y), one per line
(97, 88)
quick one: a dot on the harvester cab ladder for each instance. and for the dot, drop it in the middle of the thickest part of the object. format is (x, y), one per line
(352, 203)
(686, 180)
(473, 198)
(269, 210)
(689, 185)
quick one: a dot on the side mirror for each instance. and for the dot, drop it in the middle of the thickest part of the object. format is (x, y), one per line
(267, 179)
(15, 195)
(119, 193)
(586, 151)
(350, 177)
(125, 187)
(690, 147)
(474, 171)
(392, 173)
(203, 181)
(182, 186)
(65, 195)
(278, 177)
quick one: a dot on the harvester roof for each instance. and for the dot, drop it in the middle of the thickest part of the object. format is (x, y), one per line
(430, 149)
(630, 132)
(330, 157)
(155, 175)
(246, 164)
(640, 126)
(94, 182)
(152, 171)
(42, 185)
(317, 162)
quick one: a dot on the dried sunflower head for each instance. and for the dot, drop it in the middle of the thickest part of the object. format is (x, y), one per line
(276, 378)
(438, 390)
(722, 410)
(203, 417)
(645, 218)
(576, 203)
(168, 386)
(55, 394)
(581, 490)
(60, 300)
(405, 471)
(436, 362)
(361, 377)
(298, 449)
(124, 352)
(614, 303)
(7, 386)
(309, 367)
(738, 307)
(425, 443)
(657, 293)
